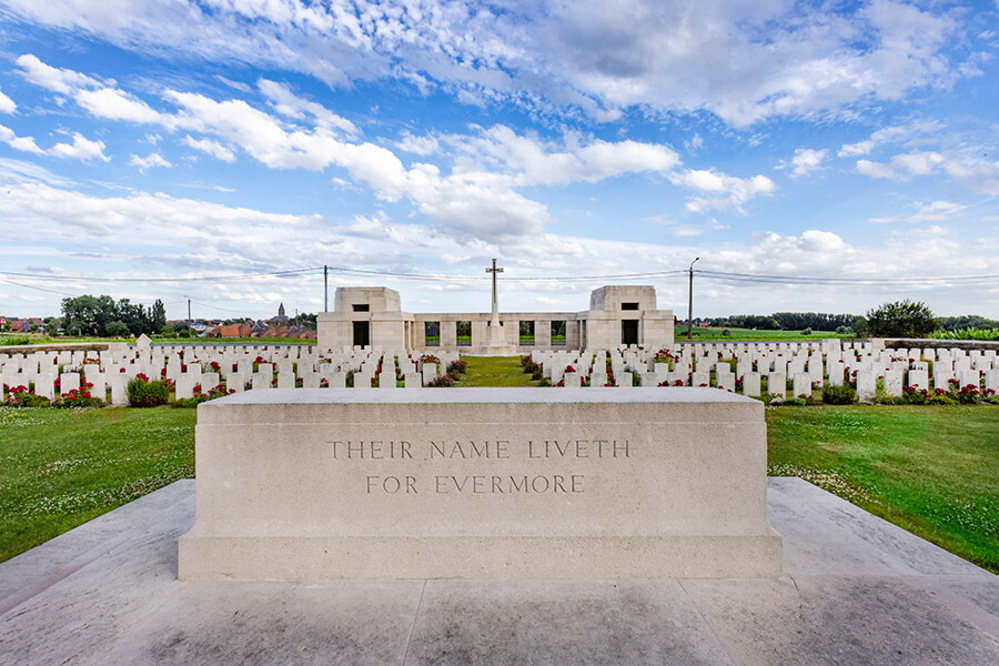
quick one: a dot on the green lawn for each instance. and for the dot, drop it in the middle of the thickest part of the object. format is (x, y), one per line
(63, 467)
(748, 334)
(932, 470)
(494, 371)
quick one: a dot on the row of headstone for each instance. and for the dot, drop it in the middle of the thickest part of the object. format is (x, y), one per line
(777, 368)
(193, 367)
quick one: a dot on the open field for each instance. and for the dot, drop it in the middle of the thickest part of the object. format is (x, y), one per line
(753, 335)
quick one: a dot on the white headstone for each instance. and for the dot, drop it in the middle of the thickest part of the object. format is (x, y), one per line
(208, 381)
(286, 379)
(802, 385)
(45, 385)
(866, 385)
(119, 389)
(919, 379)
(893, 383)
(68, 381)
(777, 384)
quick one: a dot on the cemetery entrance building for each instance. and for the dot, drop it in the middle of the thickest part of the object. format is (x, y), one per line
(617, 315)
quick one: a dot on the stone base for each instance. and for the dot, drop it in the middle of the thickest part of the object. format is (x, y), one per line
(300, 558)
(495, 343)
(576, 483)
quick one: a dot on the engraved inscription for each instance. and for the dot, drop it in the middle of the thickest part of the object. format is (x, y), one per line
(372, 450)
(486, 451)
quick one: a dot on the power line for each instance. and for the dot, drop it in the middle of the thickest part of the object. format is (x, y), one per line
(28, 286)
(761, 278)
(846, 281)
(510, 278)
(218, 307)
(196, 278)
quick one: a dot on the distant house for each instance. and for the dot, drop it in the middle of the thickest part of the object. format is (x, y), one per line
(276, 327)
(231, 331)
(17, 324)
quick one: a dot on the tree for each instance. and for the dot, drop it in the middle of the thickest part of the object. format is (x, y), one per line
(87, 315)
(901, 319)
(91, 315)
(860, 327)
(966, 321)
(117, 329)
(157, 316)
(817, 321)
(133, 316)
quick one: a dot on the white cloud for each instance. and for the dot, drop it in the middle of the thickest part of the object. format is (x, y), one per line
(213, 148)
(806, 160)
(529, 160)
(375, 228)
(63, 81)
(288, 104)
(7, 104)
(423, 146)
(478, 199)
(149, 161)
(81, 148)
(931, 211)
(876, 169)
(174, 237)
(901, 166)
(20, 171)
(724, 192)
(743, 61)
(856, 149)
(24, 144)
(892, 134)
(919, 163)
(114, 104)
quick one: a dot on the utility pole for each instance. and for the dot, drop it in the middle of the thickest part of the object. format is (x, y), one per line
(326, 288)
(690, 303)
(189, 316)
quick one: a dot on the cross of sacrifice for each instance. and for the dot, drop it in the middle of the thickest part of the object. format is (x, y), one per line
(495, 320)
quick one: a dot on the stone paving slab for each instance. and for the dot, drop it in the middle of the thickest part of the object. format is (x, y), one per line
(856, 590)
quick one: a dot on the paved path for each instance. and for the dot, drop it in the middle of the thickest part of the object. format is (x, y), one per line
(857, 590)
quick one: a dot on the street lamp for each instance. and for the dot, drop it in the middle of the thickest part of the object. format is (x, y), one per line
(690, 302)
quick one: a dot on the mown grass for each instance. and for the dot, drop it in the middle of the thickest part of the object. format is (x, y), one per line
(933, 470)
(722, 334)
(494, 371)
(60, 468)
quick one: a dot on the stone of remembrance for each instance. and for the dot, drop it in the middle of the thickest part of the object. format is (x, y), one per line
(594, 483)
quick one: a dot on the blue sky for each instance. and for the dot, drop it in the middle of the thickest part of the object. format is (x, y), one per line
(840, 154)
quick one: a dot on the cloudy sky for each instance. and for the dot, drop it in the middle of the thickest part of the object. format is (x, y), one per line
(816, 156)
